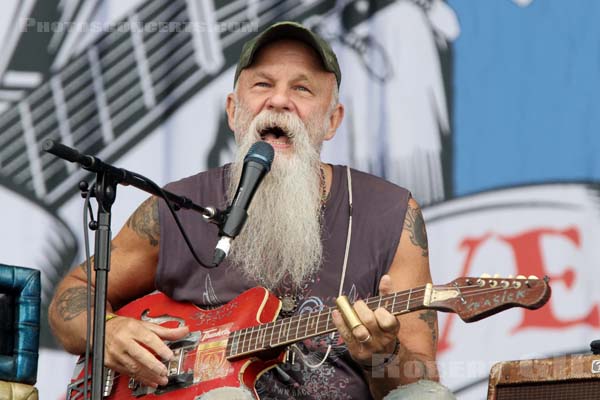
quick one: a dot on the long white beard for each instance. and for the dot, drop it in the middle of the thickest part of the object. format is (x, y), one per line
(282, 235)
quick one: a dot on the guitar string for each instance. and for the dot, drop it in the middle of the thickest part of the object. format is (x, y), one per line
(189, 63)
(253, 340)
(76, 62)
(135, 90)
(74, 66)
(84, 91)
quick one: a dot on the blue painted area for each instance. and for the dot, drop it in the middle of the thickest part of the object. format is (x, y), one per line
(526, 93)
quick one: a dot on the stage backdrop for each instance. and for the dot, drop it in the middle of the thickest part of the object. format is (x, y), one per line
(487, 111)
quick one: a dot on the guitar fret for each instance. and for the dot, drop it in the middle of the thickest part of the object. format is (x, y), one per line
(254, 338)
(246, 339)
(262, 343)
(32, 150)
(307, 323)
(287, 335)
(279, 329)
(408, 301)
(260, 337)
(105, 123)
(142, 61)
(317, 323)
(63, 119)
(209, 53)
(272, 332)
(297, 327)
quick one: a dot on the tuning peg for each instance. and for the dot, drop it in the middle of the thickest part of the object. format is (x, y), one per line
(532, 277)
(510, 277)
(521, 277)
(484, 275)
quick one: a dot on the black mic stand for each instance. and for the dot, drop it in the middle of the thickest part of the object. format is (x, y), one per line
(105, 191)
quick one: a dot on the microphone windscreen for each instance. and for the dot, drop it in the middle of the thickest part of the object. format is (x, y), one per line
(261, 152)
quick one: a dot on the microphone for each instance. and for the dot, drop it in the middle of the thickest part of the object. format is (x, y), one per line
(256, 165)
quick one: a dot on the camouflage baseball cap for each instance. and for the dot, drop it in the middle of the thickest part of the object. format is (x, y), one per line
(294, 30)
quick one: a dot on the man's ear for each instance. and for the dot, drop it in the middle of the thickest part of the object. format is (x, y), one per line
(335, 120)
(230, 109)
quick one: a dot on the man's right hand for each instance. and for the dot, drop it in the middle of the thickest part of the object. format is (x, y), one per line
(134, 347)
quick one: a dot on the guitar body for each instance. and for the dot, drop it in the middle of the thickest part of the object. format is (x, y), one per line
(204, 372)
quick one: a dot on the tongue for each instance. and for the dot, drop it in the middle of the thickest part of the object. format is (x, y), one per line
(271, 137)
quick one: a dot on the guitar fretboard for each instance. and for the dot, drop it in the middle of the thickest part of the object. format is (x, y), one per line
(128, 81)
(300, 327)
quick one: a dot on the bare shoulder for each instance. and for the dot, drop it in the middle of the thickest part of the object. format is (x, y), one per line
(144, 221)
(414, 227)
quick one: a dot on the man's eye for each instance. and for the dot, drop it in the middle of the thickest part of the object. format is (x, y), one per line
(262, 84)
(303, 89)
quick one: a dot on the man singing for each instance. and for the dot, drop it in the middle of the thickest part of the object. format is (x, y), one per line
(315, 231)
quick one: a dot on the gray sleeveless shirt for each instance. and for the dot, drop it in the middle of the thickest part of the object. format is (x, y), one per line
(378, 214)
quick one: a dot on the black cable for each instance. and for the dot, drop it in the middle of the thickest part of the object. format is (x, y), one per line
(88, 300)
(176, 218)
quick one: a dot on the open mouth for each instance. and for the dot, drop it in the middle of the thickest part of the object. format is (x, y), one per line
(273, 132)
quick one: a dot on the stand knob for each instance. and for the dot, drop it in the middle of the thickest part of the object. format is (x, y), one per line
(595, 345)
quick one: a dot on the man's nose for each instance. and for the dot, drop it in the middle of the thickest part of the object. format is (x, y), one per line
(279, 101)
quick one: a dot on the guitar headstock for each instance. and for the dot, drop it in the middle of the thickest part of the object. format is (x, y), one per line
(477, 298)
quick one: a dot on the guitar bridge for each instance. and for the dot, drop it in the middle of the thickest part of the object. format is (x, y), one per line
(177, 376)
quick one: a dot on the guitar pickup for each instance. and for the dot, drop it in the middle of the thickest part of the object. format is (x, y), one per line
(190, 340)
(182, 343)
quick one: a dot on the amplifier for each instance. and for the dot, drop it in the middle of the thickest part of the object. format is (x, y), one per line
(570, 377)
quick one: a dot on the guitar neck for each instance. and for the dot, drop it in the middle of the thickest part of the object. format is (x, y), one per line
(471, 298)
(126, 83)
(294, 329)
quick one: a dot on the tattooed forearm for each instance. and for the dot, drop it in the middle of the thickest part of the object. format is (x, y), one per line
(144, 221)
(430, 318)
(415, 225)
(72, 302)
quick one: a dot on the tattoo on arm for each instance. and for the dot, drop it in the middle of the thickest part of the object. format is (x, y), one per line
(430, 318)
(144, 221)
(415, 225)
(72, 302)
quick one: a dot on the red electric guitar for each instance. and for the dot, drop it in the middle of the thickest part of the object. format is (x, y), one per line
(228, 348)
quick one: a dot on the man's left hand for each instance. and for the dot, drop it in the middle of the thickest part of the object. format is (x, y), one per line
(378, 332)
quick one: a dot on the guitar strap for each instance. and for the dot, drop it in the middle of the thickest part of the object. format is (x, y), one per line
(342, 277)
